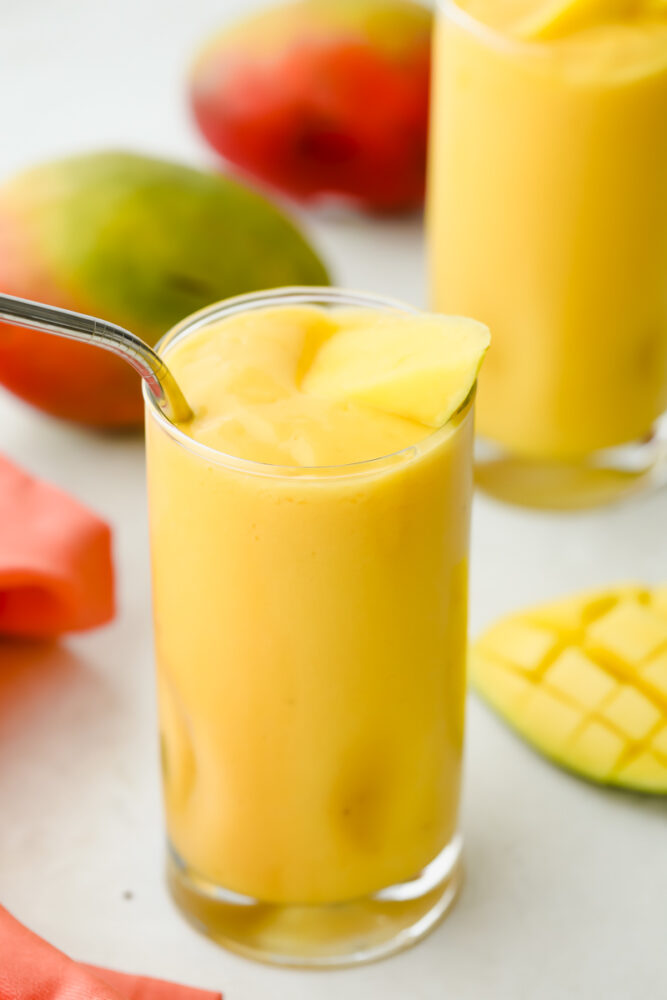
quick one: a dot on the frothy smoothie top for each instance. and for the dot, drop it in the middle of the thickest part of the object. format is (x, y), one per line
(600, 38)
(304, 386)
(551, 19)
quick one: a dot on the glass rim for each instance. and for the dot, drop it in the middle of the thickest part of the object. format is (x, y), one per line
(488, 34)
(291, 295)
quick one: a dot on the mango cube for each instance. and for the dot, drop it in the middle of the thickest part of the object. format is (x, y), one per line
(523, 645)
(646, 773)
(508, 687)
(549, 720)
(566, 616)
(632, 713)
(598, 749)
(628, 633)
(577, 676)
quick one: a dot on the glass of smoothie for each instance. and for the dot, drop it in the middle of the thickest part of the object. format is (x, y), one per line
(309, 537)
(548, 221)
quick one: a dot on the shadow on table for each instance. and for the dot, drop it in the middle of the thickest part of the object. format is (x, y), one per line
(35, 677)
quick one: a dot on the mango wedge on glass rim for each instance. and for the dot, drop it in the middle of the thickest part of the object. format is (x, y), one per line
(426, 378)
(584, 680)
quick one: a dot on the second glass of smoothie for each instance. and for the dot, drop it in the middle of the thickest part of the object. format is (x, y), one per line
(548, 221)
(310, 563)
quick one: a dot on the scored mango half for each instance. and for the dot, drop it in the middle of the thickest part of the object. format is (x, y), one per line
(422, 371)
(584, 680)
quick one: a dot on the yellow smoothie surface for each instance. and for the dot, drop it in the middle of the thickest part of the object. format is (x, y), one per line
(548, 213)
(310, 623)
(548, 20)
(301, 386)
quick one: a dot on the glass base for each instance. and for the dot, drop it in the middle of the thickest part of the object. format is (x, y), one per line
(334, 935)
(604, 477)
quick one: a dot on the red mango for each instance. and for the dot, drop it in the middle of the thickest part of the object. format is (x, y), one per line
(323, 98)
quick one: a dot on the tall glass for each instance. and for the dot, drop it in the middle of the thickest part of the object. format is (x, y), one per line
(310, 628)
(548, 222)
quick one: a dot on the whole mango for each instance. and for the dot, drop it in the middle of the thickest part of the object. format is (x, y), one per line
(323, 98)
(137, 241)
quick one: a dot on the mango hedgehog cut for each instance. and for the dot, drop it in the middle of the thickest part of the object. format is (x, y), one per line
(584, 680)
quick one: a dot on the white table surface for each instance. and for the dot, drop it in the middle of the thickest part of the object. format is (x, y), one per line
(566, 893)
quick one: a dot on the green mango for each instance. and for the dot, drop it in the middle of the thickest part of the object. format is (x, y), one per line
(138, 241)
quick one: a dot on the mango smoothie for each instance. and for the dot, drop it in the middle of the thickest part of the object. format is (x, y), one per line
(309, 534)
(548, 213)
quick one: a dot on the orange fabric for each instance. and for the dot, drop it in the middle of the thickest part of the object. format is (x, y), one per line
(31, 969)
(56, 572)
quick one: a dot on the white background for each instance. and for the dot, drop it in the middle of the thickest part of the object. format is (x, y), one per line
(566, 893)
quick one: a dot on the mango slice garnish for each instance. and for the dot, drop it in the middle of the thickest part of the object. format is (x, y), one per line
(422, 370)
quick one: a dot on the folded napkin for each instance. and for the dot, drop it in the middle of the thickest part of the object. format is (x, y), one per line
(30, 969)
(56, 573)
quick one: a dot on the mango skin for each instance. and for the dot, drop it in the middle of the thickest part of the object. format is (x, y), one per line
(323, 98)
(138, 241)
(584, 680)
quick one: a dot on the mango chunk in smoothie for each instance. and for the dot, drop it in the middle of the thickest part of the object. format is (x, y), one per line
(585, 681)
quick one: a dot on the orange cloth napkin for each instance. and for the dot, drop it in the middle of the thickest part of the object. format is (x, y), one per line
(56, 573)
(31, 969)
